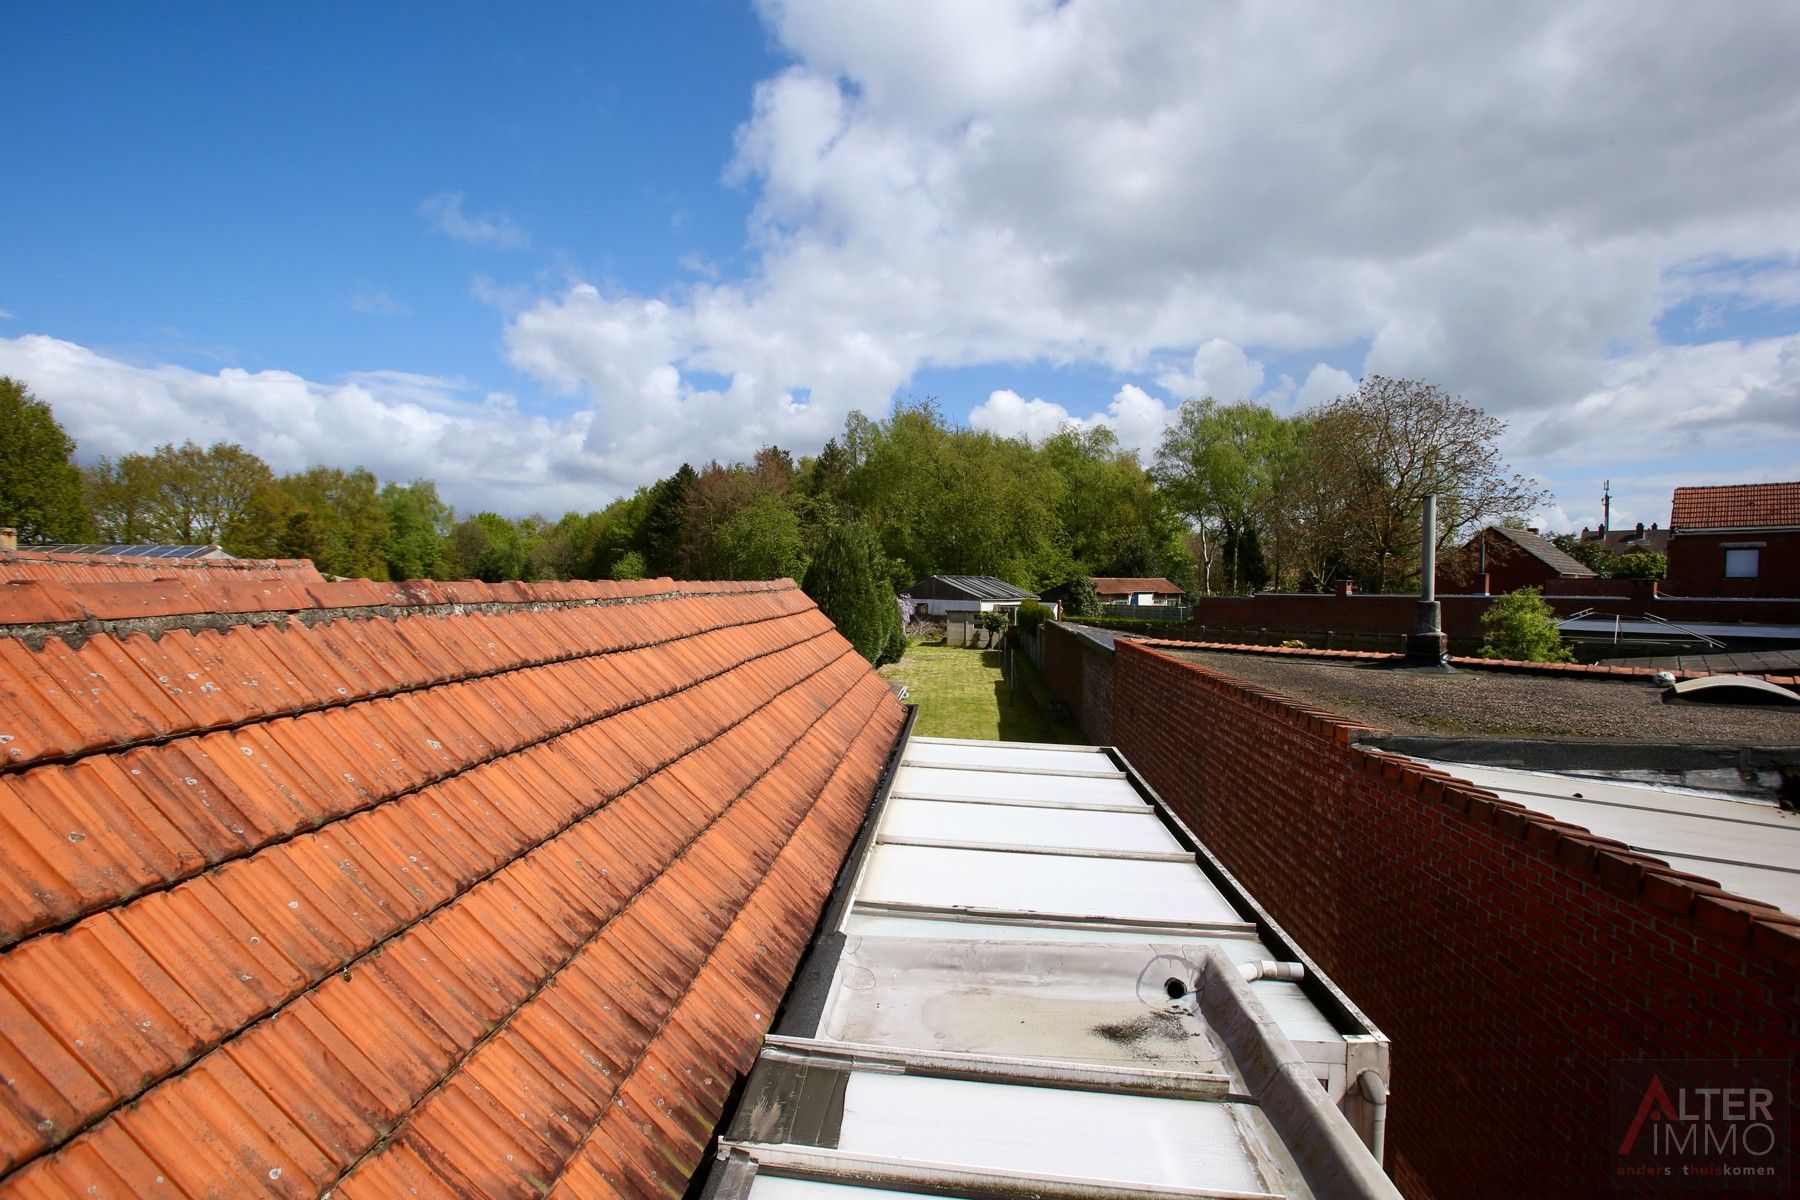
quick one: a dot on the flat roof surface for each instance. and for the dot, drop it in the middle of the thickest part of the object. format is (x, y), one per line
(1027, 996)
(1501, 702)
(1746, 847)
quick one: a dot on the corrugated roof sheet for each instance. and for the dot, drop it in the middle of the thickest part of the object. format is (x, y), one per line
(967, 587)
(466, 890)
(1736, 506)
(82, 565)
(1544, 550)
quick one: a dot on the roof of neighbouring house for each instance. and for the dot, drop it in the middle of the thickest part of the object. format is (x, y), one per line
(210, 550)
(966, 587)
(361, 888)
(80, 564)
(1119, 586)
(1543, 549)
(1736, 506)
(1628, 541)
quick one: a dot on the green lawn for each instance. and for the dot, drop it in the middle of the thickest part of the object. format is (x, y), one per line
(961, 694)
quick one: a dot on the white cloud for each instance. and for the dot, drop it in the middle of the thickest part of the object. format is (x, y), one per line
(486, 454)
(1122, 184)
(1500, 199)
(1323, 385)
(1137, 417)
(443, 213)
(1220, 370)
(1724, 395)
(1009, 414)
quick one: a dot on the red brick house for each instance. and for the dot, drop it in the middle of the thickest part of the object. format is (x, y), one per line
(1511, 559)
(1737, 540)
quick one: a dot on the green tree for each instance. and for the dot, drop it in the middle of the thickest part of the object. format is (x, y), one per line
(629, 565)
(841, 584)
(1032, 614)
(184, 495)
(488, 547)
(1220, 465)
(1639, 564)
(348, 504)
(1521, 626)
(761, 540)
(418, 524)
(1084, 599)
(887, 604)
(1609, 564)
(303, 535)
(40, 488)
(663, 535)
(1383, 448)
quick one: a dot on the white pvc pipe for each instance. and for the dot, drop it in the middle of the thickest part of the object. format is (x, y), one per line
(1268, 968)
(1374, 1090)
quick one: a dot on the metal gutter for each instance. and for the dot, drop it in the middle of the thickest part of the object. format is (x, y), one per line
(1332, 1158)
(805, 1001)
(1318, 987)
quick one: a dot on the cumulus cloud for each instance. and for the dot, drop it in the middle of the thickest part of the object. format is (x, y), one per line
(443, 213)
(1220, 370)
(1009, 414)
(1137, 417)
(1127, 185)
(1713, 396)
(484, 452)
(1503, 200)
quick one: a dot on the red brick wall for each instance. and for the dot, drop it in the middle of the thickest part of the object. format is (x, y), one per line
(1079, 674)
(1393, 615)
(1697, 565)
(1509, 958)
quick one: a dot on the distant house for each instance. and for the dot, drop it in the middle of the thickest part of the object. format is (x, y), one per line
(1511, 559)
(937, 595)
(1124, 590)
(1736, 540)
(1629, 541)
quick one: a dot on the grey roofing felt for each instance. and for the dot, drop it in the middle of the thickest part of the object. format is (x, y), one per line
(124, 551)
(1544, 550)
(969, 587)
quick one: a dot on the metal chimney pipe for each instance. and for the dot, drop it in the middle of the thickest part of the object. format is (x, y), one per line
(1428, 553)
(1428, 647)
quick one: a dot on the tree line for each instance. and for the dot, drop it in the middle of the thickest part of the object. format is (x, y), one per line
(1235, 498)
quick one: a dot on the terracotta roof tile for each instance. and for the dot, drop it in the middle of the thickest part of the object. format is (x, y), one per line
(70, 567)
(1122, 586)
(1736, 506)
(279, 892)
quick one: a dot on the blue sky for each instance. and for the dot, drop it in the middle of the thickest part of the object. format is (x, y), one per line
(545, 256)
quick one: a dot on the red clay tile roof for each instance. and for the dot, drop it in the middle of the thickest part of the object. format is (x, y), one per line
(93, 568)
(1736, 506)
(1118, 586)
(478, 891)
